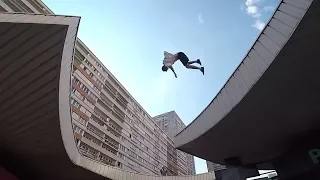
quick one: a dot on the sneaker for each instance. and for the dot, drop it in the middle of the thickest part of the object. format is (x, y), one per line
(202, 70)
(198, 61)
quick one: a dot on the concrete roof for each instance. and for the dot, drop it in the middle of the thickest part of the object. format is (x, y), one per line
(270, 98)
(37, 140)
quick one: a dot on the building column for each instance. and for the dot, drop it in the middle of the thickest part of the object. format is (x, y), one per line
(87, 123)
(98, 156)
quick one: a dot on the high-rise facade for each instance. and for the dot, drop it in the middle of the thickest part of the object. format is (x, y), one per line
(171, 124)
(109, 124)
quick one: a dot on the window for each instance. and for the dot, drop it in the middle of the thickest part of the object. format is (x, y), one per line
(88, 102)
(96, 89)
(75, 103)
(85, 89)
(81, 120)
(86, 69)
(121, 156)
(79, 95)
(78, 130)
(123, 139)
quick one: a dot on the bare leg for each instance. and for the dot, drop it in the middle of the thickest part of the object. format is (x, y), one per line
(189, 66)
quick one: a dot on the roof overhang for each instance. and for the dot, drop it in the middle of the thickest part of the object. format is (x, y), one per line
(37, 139)
(272, 96)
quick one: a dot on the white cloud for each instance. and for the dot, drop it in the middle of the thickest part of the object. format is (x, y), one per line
(252, 2)
(255, 9)
(258, 24)
(251, 10)
(268, 8)
(257, 15)
(200, 19)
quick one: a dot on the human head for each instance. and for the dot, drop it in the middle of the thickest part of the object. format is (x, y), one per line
(164, 68)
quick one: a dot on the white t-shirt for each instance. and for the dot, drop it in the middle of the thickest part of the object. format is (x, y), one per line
(169, 59)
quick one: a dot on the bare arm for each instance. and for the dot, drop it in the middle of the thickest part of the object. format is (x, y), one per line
(173, 71)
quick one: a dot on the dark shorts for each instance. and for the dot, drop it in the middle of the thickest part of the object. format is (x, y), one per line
(183, 58)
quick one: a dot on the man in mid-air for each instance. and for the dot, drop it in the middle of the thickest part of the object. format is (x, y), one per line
(170, 59)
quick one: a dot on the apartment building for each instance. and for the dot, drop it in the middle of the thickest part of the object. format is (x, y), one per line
(109, 124)
(171, 124)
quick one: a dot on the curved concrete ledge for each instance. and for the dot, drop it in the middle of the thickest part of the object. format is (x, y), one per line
(221, 111)
(37, 139)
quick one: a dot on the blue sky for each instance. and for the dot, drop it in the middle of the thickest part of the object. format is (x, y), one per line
(129, 37)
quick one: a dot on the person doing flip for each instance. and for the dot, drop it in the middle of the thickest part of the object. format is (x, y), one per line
(170, 59)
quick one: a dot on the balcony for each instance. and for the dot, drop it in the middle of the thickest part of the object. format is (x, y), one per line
(111, 143)
(122, 91)
(122, 99)
(111, 88)
(76, 62)
(119, 113)
(101, 141)
(112, 81)
(81, 49)
(118, 117)
(88, 151)
(108, 121)
(87, 74)
(109, 149)
(106, 100)
(78, 55)
(121, 103)
(97, 132)
(114, 129)
(92, 137)
(104, 107)
(109, 98)
(96, 121)
(105, 130)
(109, 91)
(106, 160)
(101, 149)
(97, 115)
